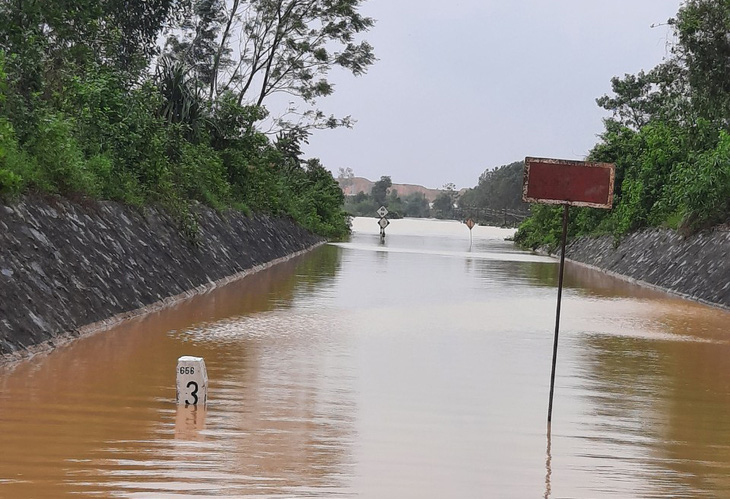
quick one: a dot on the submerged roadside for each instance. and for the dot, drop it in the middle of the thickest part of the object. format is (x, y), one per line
(67, 268)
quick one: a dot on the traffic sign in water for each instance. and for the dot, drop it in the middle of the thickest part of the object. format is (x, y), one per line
(470, 223)
(570, 183)
(383, 222)
(382, 211)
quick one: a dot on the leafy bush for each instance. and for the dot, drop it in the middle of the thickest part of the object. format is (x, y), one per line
(703, 185)
(543, 228)
(62, 167)
(11, 183)
(668, 136)
(78, 123)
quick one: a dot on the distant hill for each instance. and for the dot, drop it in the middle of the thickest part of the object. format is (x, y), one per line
(360, 184)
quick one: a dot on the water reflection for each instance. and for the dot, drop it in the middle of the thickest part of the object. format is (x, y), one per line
(548, 462)
(99, 415)
(189, 422)
(587, 281)
(414, 369)
(666, 398)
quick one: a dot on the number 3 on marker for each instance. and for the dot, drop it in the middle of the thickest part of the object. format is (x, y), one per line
(194, 393)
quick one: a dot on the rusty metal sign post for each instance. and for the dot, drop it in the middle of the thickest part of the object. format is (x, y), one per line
(567, 183)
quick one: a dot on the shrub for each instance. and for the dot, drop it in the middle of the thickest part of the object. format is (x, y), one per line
(703, 185)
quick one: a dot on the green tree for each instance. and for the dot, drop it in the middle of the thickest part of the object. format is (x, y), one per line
(498, 189)
(394, 204)
(703, 51)
(196, 44)
(443, 205)
(638, 99)
(360, 205)
(667, 137)
(416, 205)
(285, 46)
(380, 189)
(82, 114)
(63, 36)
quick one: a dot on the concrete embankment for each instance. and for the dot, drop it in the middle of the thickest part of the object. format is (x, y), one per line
(67, 269)
(696, 267)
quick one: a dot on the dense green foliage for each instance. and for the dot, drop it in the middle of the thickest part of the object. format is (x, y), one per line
(444, 206)
(91, 106)
(498, 189)
(669, 137)
(416, 205)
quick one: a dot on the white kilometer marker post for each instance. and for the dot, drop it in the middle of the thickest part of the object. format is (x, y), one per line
(192, 381)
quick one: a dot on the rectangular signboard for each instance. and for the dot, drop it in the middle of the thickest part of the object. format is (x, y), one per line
(573, 183)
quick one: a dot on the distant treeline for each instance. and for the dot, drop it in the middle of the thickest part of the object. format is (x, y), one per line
(498, 193)
(669, 137)
(92, 106)
(382, 194)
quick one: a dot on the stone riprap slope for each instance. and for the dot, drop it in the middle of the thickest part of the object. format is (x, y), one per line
(697, 267)
(66, 265)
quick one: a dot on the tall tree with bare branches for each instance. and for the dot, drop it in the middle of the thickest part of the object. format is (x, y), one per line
(265, 47)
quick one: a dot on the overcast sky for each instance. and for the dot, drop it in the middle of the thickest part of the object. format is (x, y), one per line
(467, 85)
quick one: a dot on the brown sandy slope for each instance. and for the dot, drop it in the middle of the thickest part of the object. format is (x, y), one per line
(360, 184)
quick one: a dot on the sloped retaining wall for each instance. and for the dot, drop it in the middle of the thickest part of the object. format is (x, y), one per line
(66, 267)
(696, 267)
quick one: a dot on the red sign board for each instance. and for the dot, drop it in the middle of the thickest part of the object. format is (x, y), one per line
(573, 183)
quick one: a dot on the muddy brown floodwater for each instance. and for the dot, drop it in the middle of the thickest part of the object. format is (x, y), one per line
(415, 368)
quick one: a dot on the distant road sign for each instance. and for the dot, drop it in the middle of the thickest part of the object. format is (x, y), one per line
(382, 211)
(383, 222)
(572, 183)
(470, 223)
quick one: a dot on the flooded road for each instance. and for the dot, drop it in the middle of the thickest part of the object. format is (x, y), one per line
(416, 368)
